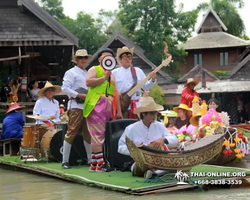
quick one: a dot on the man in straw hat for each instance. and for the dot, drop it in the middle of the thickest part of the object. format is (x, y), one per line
(98, 109)
(46, 105)
(147, 131)
(13, 122)
(188, 93)
(183, 116)
(128, 76)
(73, 80)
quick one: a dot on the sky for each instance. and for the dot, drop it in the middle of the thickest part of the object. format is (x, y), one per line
(72, 7)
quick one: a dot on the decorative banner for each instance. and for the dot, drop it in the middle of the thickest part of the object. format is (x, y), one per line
(108, 63)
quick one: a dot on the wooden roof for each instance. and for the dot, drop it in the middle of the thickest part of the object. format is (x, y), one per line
(118, 40)
(25, 23)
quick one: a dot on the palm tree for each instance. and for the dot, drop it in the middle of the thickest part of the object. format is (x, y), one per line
(228, 13)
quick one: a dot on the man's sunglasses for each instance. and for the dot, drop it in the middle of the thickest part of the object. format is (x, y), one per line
(82, 57)
(127, 57)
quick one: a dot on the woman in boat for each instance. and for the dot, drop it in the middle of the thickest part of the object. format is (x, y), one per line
(183, 116)
(148, 132)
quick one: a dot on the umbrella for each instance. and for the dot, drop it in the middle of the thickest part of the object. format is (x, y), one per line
(169, 113)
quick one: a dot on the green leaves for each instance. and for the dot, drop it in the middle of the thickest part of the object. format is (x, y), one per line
(149, 23)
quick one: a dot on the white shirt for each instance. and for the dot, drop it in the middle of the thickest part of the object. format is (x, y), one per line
(73, 79)
(33, 94)
(45, 107)
(124, 81)
(139, 133)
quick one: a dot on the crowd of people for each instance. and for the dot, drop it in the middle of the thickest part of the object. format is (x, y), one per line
(94, 99)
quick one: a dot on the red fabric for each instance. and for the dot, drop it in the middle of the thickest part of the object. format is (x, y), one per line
(131, 114)
(187, 97)
(61, 111)
(49, 124)
(114, 105)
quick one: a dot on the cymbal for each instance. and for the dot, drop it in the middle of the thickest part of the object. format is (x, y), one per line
(38, 117)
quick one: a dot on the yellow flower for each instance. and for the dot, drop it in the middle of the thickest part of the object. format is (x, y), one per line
(232, 144)
(204, 125)
(236, 139)
(226, 143)
(222, 123)
(239, 155)
(236, 150)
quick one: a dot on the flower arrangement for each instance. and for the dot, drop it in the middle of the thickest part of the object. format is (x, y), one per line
(239, 143)
(185, 133)
(207, 118)
(201, 133)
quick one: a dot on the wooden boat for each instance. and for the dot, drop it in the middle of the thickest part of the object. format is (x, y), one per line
(221, 158)
(194, 154)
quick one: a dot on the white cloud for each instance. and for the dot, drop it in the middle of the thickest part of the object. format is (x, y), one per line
(72, 7)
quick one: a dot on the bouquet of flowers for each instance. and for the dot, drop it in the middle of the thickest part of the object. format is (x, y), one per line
(201, 133)
(184, 134)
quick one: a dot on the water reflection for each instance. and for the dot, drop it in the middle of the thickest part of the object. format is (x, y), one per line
(24, 186)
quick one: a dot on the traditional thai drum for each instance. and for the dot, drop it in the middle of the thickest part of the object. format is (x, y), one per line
(29, 136)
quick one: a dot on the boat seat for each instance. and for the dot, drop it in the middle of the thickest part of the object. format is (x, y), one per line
(10, 146)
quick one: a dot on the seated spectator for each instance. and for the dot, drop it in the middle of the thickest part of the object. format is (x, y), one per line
(33, 90)
(13, 122)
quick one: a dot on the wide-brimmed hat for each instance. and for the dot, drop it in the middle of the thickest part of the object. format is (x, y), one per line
(147, 105)
(191, 80)
(47, 86)
(122, 50)
(193, 119)
(13, 106)
(81, 52)
(184, 107)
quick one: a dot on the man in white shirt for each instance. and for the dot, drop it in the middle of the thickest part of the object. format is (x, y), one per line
(46, 105)
(125, 80)
(147, 131)
(75, 79)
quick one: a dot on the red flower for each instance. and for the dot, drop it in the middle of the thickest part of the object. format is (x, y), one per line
(225, 152)
(244, 139)
(184, 132)
(184, 140)
(230, 152)
(239, 136)
(201, 134)
(200, 129)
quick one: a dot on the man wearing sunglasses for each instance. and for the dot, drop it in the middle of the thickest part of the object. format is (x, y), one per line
(188, 93)
(74, 79)
(127, 76)
(147, 132)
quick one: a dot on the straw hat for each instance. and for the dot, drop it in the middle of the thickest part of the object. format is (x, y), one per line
(184, 107)
(147, 105)
(123, 50)
(13, 106)
(191, 80)
(61, 106)
(81, 52)
(194, 120)
(47, 86)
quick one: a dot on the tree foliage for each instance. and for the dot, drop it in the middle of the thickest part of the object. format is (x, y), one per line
(228, 13)
(149, 23)
(156, 93)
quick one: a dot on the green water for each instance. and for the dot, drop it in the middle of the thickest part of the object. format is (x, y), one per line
(24, 186)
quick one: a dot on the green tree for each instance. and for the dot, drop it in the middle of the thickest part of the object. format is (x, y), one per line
(245, 37)
(156, 93)
(149, 23)
(228, 13)
(53, 7)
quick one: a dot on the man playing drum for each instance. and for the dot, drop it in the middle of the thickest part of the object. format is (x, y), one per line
(73, 80)
(128, 76)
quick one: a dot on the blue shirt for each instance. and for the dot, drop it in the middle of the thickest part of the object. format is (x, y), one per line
(13, 126)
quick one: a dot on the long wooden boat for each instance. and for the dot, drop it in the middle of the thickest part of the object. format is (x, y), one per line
(221, 158)
(194, 154)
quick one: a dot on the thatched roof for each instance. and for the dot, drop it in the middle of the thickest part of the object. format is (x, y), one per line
(138, 51)
(236, 69)
(211, 11)
(214, 40)
(197, 70)
(25, 23)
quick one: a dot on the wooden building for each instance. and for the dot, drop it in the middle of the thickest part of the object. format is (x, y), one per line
(213, 48)
(32, 41)
(118, 40)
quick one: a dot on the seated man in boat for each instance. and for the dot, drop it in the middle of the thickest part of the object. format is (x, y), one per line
(147, 131)
(13, 122)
